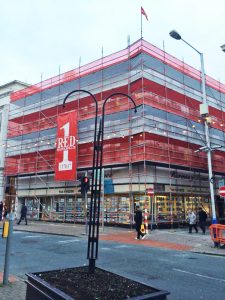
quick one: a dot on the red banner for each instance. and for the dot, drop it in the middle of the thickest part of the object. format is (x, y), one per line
(66, 147)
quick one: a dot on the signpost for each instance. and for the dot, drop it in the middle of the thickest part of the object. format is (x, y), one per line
(150, 193)
(8, 248)
(222, 191)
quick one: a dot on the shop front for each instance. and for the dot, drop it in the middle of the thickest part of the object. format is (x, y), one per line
(63, 205)
(116, 209)
(175, 192)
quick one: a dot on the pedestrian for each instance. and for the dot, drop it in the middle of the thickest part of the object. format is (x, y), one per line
(5, 211)
(1, 209)
(202, 219)
(138, 222)
(192, 221)
(23, 214)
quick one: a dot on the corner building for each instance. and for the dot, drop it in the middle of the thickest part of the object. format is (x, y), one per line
(154, 148)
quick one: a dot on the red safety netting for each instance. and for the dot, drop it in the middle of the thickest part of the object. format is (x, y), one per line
(156, 148)
(152, 94)
(150, 147)
(115, 58)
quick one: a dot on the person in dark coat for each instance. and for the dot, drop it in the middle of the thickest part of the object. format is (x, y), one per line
(23, 214)
(5, 211)
(1, 209)
(138, 222)
(202, 215)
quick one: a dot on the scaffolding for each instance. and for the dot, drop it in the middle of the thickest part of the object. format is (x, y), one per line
(140, 150)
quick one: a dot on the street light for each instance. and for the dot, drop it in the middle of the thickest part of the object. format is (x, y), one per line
(93, 234)
(94, 211)
(100, 143)
(205, 148)
(174, 34)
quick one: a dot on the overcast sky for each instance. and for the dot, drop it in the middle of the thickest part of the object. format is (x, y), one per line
(40, 37)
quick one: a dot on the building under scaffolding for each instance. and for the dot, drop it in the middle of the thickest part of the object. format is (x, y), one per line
(154, 148)
(5, 91)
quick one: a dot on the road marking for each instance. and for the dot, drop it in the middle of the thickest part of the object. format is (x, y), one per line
(199, 275)
(33, 236)
(122, 246)
(105, 248)
(69, 241)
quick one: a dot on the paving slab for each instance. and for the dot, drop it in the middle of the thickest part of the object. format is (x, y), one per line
(15, 290)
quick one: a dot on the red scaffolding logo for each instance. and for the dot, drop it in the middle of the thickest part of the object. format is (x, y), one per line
(65, 158)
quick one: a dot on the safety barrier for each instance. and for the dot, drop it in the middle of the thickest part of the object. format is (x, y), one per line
(217, 232)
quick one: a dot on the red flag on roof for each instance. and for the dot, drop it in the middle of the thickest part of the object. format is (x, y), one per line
(144, 13)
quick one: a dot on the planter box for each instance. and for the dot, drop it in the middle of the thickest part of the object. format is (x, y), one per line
(78, 284)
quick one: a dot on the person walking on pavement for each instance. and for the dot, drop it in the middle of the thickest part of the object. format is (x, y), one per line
(23, 214)
(5, 212)
(192, 221)
(138, 222)
(202, 219)
(1, 209)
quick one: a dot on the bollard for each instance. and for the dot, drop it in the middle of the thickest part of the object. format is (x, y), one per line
(5, 229)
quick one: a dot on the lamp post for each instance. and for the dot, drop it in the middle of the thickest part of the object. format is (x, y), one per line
(94, 211)
(94, 230)
(174, 34)
(95, 190)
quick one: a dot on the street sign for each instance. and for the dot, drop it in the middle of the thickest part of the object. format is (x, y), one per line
(221, 182)
(150, 192)
(222, 191)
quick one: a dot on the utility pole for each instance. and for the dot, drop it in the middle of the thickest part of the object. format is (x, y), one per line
(203, 111)
(9, 228)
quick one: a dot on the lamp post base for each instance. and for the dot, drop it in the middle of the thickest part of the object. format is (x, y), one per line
(91, 268)
(214, 221)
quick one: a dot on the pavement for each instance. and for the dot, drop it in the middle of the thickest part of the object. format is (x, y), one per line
(175, 239)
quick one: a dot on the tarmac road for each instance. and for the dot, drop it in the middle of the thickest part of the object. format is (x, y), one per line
(186, 275)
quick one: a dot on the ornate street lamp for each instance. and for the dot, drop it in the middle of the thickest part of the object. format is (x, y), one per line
(94, 210)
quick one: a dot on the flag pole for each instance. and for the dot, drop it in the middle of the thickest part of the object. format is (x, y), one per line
(141, 26)
(128, 40)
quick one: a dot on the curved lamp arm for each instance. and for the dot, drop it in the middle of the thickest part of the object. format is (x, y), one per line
(102, 121)
(115, 94)
(84, 91)
(96, 118)
(103, 107)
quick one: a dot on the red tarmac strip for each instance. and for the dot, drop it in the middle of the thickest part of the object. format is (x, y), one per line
(129, 238)
(11, 278)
